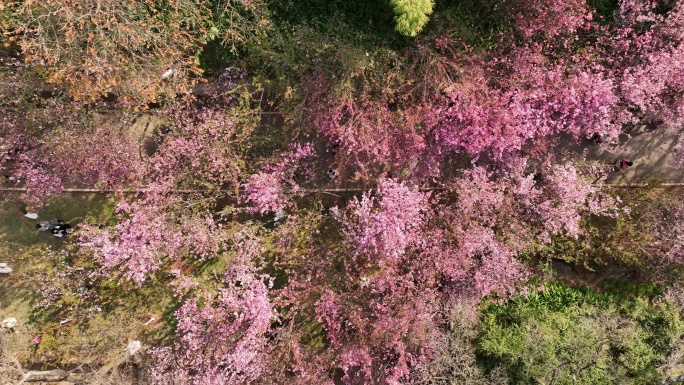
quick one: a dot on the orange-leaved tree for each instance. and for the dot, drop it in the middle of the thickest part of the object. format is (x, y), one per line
(136, 49)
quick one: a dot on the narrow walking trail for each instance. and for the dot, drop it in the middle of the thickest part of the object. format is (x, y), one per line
(653, 154)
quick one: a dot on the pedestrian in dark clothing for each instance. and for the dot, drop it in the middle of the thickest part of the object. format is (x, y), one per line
(59, 232)
(61, 229)
(623, 164)
(64, 226)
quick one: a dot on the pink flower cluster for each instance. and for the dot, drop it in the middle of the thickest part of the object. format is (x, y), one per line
(149, 233)
(222, 334)
(266, 190)
(383, 228)
(530, 99)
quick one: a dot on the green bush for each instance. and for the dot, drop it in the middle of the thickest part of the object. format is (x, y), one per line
(564, 335)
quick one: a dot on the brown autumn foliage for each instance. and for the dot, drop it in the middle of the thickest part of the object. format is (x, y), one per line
(137, 49)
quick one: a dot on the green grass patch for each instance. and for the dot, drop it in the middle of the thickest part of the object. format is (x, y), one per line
(72, 208)
(88, 318)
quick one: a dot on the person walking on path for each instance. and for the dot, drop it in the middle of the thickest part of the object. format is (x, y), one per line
(623, 164)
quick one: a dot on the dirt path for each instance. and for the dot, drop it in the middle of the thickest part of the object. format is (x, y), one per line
(651, 152)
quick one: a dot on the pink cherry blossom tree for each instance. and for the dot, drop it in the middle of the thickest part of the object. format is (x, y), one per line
(222, 333)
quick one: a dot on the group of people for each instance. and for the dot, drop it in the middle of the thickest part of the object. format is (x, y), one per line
(620, 164)
(624, 163)
(56, 226)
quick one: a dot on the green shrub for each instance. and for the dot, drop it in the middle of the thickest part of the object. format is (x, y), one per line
(411, 15)
(564, 335)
